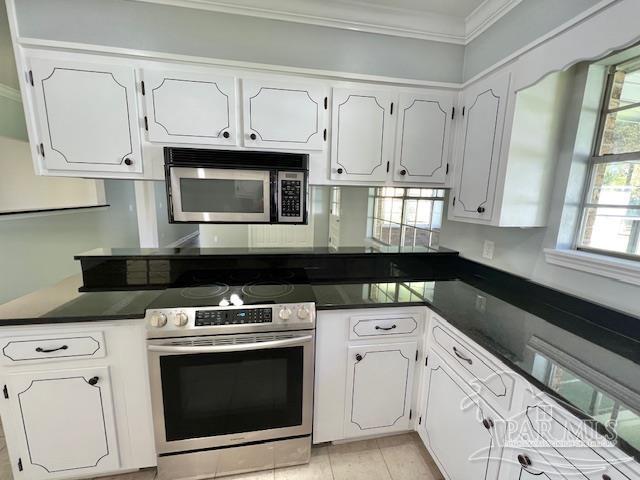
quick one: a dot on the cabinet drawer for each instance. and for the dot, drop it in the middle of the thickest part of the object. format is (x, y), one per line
(385, 325)
(493, 383)
(38, 348)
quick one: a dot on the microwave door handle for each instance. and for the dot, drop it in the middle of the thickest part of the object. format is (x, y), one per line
(230, 348)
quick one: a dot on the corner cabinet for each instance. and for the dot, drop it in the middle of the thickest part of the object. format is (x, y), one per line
(87, 117)
(284, 115)
(188, 107)
(423, 138)
(379, 388)
(66, 422)
(362, 134)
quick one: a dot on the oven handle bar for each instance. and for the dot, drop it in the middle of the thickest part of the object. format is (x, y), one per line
(231, 348)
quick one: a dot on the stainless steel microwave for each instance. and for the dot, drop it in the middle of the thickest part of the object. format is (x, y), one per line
(228, 186)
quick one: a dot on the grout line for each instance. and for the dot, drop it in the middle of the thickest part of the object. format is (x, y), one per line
(384, 459)
(330, 463)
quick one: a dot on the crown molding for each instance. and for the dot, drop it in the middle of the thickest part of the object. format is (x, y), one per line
(10, 93)
(361, 16)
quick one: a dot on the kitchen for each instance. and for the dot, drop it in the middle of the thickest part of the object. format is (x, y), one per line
(330, 240)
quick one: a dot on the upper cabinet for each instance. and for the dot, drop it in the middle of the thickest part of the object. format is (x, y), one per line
(478, 154)
(423, 139)
(363, 131)
(284, 115)
(87, 117)
(184, 107)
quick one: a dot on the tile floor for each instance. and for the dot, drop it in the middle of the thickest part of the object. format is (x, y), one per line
(400, 457)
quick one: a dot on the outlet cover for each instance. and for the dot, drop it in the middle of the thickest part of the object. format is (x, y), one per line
(488, 249)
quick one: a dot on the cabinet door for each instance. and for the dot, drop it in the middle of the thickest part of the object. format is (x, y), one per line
(478, 149)
(63, 423)
(422, 149)
(379, 388)
(449, 407)
(186, 107)
(362, 134)
(283, 115)
(87, 115)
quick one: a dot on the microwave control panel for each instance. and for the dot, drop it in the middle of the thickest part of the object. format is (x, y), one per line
(291, 197)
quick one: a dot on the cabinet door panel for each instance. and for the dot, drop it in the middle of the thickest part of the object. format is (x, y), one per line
(449, 407)
(64, 422)
(478, 155)
(190, 108)
(282, 115)
(362, 135)
(88, 117)
(379, 388)
(422, 149)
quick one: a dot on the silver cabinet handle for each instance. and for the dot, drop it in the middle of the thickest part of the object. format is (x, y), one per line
(462, 357)
(230, 348)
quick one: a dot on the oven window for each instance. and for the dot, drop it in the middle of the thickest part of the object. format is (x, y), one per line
(211, 394)
(222, 195)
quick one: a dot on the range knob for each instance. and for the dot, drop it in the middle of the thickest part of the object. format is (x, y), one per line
(158, 320)
(285, 313)
(181, 319)
(303, 312)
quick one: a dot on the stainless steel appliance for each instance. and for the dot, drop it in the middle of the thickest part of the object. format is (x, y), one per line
(231, 378)
(215, 186)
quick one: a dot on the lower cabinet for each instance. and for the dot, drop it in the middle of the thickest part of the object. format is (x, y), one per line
(65, 422)
(379, 388)
(464, 435)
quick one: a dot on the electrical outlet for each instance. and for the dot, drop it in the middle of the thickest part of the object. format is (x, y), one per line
(481, 303)
(488, 249)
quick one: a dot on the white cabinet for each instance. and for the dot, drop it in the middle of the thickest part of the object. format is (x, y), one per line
(463, 434)
(187, 107)
(87, 117)
(362, 134)
(284, 115)
(379, 388)
(478, 155)
(424, 138)
(66, 422)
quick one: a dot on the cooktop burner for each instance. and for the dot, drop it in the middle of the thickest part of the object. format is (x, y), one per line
(212, 290)
(267, 290)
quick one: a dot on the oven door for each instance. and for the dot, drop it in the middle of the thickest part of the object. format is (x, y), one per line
(223, 390)
(219, 195)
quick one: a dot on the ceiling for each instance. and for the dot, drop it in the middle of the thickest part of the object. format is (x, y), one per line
(453, 21)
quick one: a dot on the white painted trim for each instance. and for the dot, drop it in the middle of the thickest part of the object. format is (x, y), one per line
(183, 240)
(485, 15)
(10, 93)
(627, 271)
(543, 39)
(146, 214)
(174, 57)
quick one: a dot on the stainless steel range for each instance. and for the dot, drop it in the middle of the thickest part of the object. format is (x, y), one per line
(231, 378)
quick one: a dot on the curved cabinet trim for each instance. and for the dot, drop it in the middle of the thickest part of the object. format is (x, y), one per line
(377, 320)
(444, 139)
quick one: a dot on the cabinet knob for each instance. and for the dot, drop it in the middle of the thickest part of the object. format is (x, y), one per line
(488, 423)
(403, 172)
(340, 170)
(605, 477)
(253, 136)
(524, 460)
(358, 357)
(128, 161)
(93, 380)
(480, 209)
(226, 135)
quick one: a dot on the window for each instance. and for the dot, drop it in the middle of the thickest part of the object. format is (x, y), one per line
(406, 216)
(611, 215)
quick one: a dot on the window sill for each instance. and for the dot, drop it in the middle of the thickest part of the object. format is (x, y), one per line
(627, 271)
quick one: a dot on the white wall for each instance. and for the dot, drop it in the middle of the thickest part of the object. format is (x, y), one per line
(168, 233)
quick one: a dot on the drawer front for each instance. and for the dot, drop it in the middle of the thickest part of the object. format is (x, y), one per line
(385, 325)
(492, 382)
(45, 348)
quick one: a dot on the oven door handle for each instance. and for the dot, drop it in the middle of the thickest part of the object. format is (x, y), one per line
(230, 348)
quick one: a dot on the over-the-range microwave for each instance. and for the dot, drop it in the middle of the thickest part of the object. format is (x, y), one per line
(236, 186)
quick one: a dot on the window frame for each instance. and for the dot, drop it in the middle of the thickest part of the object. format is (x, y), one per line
(597, 159)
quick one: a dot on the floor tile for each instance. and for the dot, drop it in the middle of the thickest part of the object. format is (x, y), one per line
(406, 459)
(262, 475)
(318, 468)
(146, 474)
(5, 465)
(358, 461)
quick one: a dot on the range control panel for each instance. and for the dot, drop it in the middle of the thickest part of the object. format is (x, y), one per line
(291, 196)
(233, 317)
